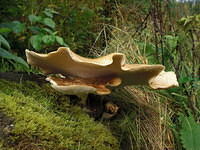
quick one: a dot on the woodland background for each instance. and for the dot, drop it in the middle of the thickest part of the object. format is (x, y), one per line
(147, 31)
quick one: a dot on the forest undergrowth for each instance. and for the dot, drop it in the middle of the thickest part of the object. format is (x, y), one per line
(147, 32)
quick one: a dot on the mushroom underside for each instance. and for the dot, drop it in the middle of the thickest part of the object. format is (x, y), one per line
(69, 84)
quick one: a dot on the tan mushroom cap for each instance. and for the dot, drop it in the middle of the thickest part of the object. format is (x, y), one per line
(75, 86)
(111, 68)
(164, 80)
(65, 62)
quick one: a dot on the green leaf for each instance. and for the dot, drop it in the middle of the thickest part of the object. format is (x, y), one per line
(4, 42)
(7, 55)
(49, 12)
(18, 27)
(34, 18)
(47, 30)
(15, 26)
(20, 61)
(54, 33)
(5, 30)
(6, 25)
(190, 133)
(49, 22)
(36, 41)
(35, 29)
(60, 41)
(185, 79)
(171, 41)
(48, 39)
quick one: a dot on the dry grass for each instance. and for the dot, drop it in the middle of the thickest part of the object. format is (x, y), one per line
(150, 129)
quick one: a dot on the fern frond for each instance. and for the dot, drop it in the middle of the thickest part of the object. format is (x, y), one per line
(190, 133)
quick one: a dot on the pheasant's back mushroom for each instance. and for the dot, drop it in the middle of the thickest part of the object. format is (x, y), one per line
(85, 75)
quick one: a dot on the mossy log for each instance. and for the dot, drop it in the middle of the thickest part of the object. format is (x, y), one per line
(39, 119)
(31, 119)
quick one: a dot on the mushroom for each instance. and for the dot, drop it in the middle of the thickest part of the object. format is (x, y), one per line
(111, 110)
(85, 75)
(82, 87)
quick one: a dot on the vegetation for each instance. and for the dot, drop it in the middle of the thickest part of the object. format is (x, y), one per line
(32, 120)
(150, 32)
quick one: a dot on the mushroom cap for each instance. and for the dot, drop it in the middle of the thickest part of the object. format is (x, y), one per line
(86, 75)
(77, 86)
(70, 89)
(164, 80)
(66, 62)
(139, 74)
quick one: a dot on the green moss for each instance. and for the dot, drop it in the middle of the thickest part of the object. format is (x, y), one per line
(39, 123)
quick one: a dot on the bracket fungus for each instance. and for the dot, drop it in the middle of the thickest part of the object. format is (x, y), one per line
(81, 76)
